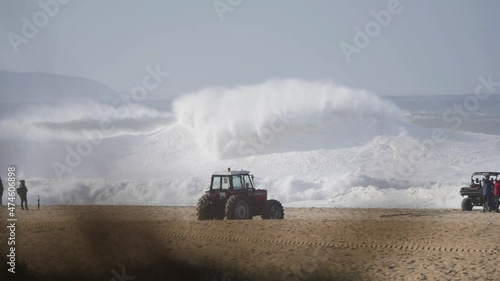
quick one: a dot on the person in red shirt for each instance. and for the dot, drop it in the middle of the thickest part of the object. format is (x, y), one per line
(496, 193)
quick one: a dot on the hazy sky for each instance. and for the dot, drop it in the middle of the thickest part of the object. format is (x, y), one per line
(429, 47)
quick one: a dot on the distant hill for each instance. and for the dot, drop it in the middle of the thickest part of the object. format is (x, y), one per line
(46, 87)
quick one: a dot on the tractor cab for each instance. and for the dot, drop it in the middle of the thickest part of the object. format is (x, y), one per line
(228, 183)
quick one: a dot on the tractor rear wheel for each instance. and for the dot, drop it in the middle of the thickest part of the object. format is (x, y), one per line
(273, 210)
(204, 209)
(238, 208)
(467, 204)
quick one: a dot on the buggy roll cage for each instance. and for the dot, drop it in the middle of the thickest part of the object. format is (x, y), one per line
(486, 174)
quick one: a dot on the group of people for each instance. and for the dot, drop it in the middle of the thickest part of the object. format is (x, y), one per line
(22, 190)
(490, 188)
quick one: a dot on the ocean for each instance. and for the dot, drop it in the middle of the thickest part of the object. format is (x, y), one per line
(310, 144)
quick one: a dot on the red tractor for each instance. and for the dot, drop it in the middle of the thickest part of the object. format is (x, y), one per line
(232, 195)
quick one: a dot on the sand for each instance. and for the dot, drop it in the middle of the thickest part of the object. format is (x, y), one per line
(168, 243)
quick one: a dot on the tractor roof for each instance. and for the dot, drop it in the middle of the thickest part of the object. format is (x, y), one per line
(231, 173)
(486, 174)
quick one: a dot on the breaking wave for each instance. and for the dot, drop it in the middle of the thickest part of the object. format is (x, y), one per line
(286, 115)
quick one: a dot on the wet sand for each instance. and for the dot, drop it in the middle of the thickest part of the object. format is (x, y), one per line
(168, 243)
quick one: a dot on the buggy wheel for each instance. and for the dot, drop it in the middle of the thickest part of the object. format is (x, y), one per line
(467, 204)
(273, 210)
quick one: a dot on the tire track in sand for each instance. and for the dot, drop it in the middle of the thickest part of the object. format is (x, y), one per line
(224, 237)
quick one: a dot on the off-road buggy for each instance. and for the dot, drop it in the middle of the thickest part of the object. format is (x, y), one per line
(474, 192)
(232, 195)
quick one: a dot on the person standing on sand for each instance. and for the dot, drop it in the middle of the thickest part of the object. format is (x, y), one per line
(485, 185)
(23, 193)
(496, 192)
(1, 191)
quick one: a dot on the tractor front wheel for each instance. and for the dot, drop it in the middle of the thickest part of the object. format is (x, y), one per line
(273, 210)
(238, 208)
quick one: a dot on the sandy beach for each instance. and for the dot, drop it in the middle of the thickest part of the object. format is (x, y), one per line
(168, 243)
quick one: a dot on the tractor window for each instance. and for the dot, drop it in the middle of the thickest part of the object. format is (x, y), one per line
(225, 183)
(246, 181)
(215, 182)
(237, 183)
